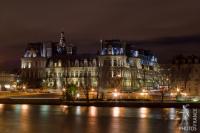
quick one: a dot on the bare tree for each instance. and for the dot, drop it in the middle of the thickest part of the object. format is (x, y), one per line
(87, 84)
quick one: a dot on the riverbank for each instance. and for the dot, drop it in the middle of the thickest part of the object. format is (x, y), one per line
(58, 101)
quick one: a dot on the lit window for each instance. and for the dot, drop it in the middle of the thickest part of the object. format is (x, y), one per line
(59, 63)
(29, 65)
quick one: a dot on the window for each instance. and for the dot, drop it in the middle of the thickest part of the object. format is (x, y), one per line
(29, 65)
(76, 63)
(76, 73)
(59, 63)
(85, 62)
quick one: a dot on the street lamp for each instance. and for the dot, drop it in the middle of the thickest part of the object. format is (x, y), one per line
(115, 93)
(24, 87)
(177, 89)
(184, 94)
(77, 95)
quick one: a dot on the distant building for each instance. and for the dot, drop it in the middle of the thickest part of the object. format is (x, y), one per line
(119, 65)
(186, 74)
(7, 81)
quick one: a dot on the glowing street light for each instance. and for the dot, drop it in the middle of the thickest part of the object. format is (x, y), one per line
(178, 90)
(23, 87)
(115, 94)
(184, 94)
(143, 94)
(7, 86)
(64, 89)
(77, 95)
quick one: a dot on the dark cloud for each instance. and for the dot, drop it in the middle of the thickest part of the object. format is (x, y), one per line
(87, 21)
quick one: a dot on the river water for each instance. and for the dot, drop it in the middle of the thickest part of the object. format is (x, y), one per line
(67, 119)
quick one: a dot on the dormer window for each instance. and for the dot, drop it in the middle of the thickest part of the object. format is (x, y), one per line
(85, 62)
(59, 63)
(29, 65)
(55, 64)
(110, 50)
(69, 50)
(94, 62)
(76, 63)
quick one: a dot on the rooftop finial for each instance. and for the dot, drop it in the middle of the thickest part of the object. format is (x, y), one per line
(62, 39)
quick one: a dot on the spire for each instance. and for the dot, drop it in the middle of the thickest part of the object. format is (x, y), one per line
(62, 42)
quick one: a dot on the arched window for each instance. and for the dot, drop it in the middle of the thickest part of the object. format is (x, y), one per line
(76, 63)
(59, 63)
(94, 62)
(85, 62)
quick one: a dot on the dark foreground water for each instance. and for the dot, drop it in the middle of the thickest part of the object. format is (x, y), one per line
(64, 119)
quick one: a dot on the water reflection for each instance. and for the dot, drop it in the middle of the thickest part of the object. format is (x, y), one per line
(1, 107)
(116, 112)
(143, 112)
(24, 117)
(44, 110)
(78, 110)
(29, 118)
(93, 111)
(64, 109)
(172, 113)
(24, 107)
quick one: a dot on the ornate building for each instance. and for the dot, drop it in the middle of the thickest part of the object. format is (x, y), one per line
(8, 81)
(185, 74)
(118, 65)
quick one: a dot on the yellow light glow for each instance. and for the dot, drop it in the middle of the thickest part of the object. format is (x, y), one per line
(7, 86)
(116, 112)
(24, 107)
(24, 87)
(115, 94)
(92, 111)
(184, 94)
(14, 86)
(143, 94)
(143, 112)
(1, 107)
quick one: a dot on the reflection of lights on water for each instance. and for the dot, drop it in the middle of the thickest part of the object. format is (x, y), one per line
(78, 110)
(92, 111)
(1, 107)
(116, 112)
(24, 107)
(44, 109)
(172, 113)
(64, 108)
(143, 112)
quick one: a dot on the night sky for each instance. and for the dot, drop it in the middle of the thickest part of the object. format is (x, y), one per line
(165, 27)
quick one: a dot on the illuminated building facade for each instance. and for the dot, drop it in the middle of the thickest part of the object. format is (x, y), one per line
(118, 65)
(8, 81)
(185, 74)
